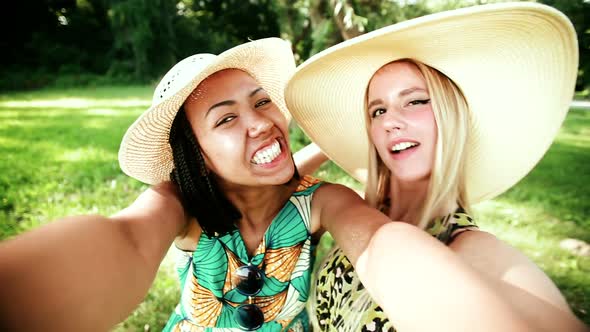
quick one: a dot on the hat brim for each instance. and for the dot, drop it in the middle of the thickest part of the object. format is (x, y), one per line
(516, 64)
(145, 153)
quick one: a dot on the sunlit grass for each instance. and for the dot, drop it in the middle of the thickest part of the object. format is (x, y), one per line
(59, 149)
(91, 94)
(59, 161)
(73, 103)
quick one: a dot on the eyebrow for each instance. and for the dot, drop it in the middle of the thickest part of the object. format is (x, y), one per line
(402, 93)
(254, 92)
(410, 90)
(230, 102)
(374, 102)
(223, 103)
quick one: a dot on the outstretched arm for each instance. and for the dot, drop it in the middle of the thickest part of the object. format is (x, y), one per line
(420, 283)
(87, 273)
(518, 280)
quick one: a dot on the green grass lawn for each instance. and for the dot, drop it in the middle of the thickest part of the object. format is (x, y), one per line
(59, 148)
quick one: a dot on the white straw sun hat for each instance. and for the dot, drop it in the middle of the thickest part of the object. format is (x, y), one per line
(516, 64)
(145, 153)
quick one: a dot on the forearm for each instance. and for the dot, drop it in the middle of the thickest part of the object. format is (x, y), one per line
(85, 273)
(517, 280)
(309, 159)
(411, 275)
(71, 274)
(534, 310)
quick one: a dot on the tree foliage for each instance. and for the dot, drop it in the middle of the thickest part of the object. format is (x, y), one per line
(578, 11)
(145, 38)
(137, 40)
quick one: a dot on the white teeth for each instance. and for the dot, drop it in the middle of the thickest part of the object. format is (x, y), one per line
(267, 154)
(402, 146)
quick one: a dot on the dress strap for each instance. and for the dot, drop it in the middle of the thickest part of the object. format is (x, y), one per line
(448, 227)
(306, 182)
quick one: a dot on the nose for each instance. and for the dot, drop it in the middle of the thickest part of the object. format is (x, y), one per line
(258, 124)
(393, 121)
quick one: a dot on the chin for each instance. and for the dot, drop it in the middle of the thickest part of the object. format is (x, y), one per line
(279, 178)
(287, 176)
(411, 176)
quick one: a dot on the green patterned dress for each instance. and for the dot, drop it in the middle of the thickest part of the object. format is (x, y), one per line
(338, 287)
(209, 297)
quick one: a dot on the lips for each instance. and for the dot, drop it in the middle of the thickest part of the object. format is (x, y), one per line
(400, 146)
(267, 154)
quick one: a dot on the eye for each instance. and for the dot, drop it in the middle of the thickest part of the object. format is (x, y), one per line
(377, 112)
(419, 102)
(262, 102)
(225, 120)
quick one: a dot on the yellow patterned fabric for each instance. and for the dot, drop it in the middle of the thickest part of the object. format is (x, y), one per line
(337, 286)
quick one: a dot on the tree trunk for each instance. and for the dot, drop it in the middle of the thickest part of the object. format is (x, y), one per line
(344, 16)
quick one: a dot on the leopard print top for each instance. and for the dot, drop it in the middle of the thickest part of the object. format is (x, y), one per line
(335, 290)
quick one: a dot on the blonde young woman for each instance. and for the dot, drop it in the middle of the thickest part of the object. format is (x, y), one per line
(457, 107)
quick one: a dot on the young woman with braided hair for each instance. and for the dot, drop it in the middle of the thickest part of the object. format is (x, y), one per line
(236, 209)
(214, 212)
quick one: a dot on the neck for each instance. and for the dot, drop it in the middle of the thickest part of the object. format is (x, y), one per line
(258, 205)
(407, 201)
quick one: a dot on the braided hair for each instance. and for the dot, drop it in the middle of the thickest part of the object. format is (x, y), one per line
(200, 192)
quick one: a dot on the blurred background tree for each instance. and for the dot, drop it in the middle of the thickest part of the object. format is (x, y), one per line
(79, 42)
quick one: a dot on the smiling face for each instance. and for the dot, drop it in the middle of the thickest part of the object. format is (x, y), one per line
(402, 125)
(242, 133)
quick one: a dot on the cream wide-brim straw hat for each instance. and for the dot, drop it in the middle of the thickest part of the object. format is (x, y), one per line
(516, 64)
(145, 153)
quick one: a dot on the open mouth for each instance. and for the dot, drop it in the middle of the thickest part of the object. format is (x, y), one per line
(403, 146)
(268, 154)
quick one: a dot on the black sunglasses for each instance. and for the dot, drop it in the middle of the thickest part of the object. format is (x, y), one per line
(248, 281)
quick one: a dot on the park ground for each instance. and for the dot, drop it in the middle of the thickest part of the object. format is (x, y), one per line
(59, 158)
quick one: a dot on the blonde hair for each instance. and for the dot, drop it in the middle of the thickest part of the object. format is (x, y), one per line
(447, 178)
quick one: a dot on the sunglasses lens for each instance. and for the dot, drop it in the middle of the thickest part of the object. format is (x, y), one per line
(248, 280)
(249, 317)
